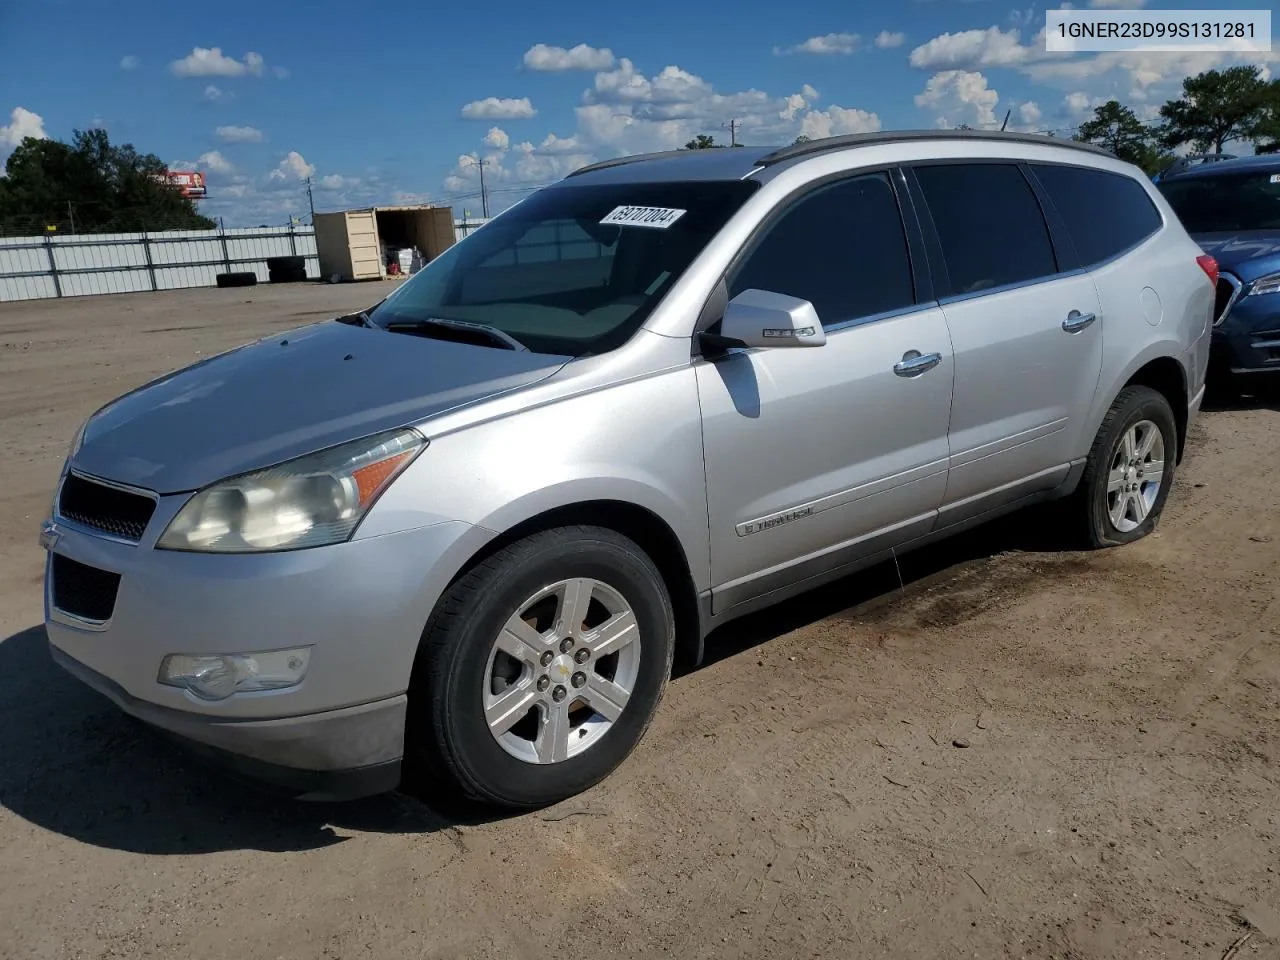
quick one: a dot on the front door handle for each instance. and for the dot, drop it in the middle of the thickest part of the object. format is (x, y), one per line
(914, 363)
(1077, 321)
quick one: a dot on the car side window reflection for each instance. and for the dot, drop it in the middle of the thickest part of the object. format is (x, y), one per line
(843, 248)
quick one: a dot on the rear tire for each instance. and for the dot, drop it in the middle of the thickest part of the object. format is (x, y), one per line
(1130, 470)
(503, 701)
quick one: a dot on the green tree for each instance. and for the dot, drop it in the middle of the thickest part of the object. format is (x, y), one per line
(702, 141)
(803, 138)
(1221, 106)
(1116, 128)
(98, 186)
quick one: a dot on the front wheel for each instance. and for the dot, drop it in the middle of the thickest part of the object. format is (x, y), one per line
(540, 670)
(1130, 469)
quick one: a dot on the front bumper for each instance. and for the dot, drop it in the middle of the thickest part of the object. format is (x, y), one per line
(337, 755)
(360, 606)
(1248, 340)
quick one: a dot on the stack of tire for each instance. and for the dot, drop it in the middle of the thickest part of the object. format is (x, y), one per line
(286, 269)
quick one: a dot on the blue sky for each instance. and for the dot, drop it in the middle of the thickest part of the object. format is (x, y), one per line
(395, 102)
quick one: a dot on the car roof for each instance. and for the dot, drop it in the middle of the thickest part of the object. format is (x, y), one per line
(1265, 163)
(738, 163)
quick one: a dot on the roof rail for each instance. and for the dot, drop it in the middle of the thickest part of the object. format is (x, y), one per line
(619, 161)
(900, 136)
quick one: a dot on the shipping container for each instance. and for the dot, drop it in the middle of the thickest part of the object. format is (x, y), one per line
(358, 244)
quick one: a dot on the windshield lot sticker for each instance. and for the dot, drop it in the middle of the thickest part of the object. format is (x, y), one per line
(1275, 178)
(657, 217)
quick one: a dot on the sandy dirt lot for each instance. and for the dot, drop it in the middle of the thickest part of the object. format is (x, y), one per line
(1024, 753)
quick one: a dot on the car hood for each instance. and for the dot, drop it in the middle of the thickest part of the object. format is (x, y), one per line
(1248, 253)
(288, 395)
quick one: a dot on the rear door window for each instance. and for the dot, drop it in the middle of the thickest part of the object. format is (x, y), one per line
(989, 223)
(1105, 213)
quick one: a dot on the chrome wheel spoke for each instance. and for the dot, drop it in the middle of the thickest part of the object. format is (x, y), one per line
(1153, 471)
(521, 642)
(612, 635)
(1140, 507)
(604, 696)
(1119, 507)
(1148, 440)
(575, 600)
(1128, 444)
(1115, 479)
(552, 744)
(509, 707)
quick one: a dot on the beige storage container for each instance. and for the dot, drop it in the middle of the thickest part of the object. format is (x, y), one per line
(349, 243)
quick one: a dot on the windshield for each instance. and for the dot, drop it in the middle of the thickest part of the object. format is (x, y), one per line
(1226, 202)
(572, 269)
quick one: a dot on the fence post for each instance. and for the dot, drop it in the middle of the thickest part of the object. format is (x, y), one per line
(226, 257)
(53, 264)
(151, 267)
(293, 242)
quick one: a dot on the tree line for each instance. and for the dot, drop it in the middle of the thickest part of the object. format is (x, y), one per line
(90, 185)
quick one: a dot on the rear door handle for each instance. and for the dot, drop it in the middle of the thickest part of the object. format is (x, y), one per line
(1077, 321)
(914, 363)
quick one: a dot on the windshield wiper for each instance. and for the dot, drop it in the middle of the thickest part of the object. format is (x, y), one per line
(497, 336)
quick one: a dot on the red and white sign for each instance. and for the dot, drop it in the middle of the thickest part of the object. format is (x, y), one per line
(189, 182)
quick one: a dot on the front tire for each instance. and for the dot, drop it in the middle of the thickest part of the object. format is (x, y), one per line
(1130, 469)
(540, 670)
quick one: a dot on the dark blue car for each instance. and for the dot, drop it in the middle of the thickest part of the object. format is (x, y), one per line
(1232, 209)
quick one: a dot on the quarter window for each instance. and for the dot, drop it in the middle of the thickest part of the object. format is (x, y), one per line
(990, 225)
(1105, 213)
(842, 248)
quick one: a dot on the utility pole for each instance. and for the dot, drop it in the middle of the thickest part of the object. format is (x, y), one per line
(484, 195)
(310, 202)
(71, 213)
(1006, 119)
(733, 132)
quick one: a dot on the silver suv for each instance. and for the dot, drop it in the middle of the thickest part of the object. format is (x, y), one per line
(462, 535)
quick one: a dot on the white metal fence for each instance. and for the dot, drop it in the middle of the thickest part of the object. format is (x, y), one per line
(34, 268)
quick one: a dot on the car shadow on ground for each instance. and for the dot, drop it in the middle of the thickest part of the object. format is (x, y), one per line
(72, 763)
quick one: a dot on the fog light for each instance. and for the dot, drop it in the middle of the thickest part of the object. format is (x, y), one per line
(218, 676)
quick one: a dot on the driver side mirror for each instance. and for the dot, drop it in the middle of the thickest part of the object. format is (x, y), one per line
(760, 318)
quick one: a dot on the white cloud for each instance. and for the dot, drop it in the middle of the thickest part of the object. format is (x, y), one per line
(499, 108)
(336, 181)
(543, 57)
(1117, 4)
(129, 63)
(828, 43)
(497, 139)
(215, 162)
(886, 40)
(959, 96)
(213, 93)
(239, 134)
(808, 92)
(292, 166)
(211, 62)
(835, 121)
(281, 72)
(1029, 113)
(553, 145)
(22, 124)
(975, 49)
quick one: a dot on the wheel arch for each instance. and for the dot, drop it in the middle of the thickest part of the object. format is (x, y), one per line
(1158, 368)
(651, 532)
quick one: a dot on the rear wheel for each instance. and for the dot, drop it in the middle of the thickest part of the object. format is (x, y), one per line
(1130, 469)
(540, 669)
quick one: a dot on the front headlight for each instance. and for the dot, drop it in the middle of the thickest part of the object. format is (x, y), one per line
(312, 501)
(1268, 284)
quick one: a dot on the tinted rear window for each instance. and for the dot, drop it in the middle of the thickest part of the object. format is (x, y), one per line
(990, 224)
(1105, 213)
(1226, 202)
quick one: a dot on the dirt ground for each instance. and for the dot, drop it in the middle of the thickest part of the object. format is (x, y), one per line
(1024, 753)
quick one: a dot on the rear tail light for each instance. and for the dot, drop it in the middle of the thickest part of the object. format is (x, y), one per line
(1209, 266)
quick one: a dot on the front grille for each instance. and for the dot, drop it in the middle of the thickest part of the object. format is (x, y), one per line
(1225, 296)
(83, 591)
(99, 507)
